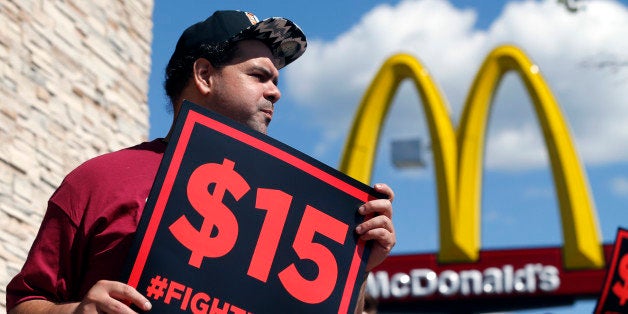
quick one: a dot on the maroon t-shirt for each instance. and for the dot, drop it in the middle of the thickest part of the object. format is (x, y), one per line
(88, 227)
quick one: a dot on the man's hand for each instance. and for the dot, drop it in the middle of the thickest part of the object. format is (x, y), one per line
(104, 297)
(112, 297)
(379, 227)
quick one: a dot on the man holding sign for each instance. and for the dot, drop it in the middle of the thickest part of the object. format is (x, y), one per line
(229, 64)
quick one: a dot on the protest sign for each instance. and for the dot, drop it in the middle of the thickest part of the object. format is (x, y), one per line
(241, 222)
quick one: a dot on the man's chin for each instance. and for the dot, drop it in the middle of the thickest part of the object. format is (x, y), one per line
(259, 127)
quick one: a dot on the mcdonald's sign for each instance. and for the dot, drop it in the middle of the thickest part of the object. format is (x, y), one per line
(575, 270)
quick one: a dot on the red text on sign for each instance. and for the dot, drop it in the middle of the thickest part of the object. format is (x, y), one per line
(197, 302)
(218, 234)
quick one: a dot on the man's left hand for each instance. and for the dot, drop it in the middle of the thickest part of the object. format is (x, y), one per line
(379, 227)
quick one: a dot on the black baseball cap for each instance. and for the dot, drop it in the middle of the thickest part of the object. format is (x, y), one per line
(284, 38)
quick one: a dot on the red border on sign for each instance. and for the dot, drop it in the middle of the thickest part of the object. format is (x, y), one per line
(621, 235)
(193, 118)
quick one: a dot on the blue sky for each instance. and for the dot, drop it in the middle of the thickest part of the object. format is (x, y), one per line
(582, 57)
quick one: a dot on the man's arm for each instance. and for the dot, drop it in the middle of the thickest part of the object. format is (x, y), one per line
(359, 308)
(42, 306)
(104, 297)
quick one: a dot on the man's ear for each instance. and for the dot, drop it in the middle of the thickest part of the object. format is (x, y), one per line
(201, 75)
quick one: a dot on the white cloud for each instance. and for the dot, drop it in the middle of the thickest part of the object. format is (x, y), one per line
(619, 186)
(582, 57)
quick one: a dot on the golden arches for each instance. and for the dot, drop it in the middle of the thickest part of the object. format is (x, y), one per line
(458, 160)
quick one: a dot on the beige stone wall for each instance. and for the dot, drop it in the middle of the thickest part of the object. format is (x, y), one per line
(73, 85)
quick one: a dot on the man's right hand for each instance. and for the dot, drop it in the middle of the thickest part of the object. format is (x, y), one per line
(112, 297)
(104, 297)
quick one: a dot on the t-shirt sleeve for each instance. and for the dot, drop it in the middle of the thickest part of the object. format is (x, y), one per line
(45, 274)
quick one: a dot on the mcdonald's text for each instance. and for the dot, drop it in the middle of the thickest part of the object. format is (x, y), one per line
(424, 282)
(503, 276)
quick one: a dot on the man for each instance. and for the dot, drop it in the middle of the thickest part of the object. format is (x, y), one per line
(228, 63)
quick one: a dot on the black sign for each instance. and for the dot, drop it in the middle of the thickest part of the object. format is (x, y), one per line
(240, 222)
(614, 297)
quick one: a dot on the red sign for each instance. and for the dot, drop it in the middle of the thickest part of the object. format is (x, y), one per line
(501, 280)
(614, 297)
(240, 222)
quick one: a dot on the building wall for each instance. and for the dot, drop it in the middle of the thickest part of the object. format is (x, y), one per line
(73, 85)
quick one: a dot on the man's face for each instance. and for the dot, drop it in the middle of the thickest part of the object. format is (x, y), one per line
(246, 88)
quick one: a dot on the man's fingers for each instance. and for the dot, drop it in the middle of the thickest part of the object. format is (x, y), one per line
(112, 305)
(377, 222)
(128, 294)
(385, 189)
(381, 206)
(114, 297)
(377, 207)
(382, 237)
